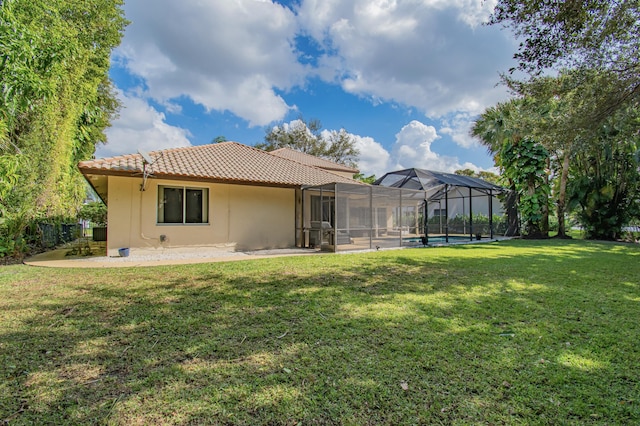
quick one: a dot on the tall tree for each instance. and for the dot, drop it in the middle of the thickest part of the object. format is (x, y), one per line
(341, 148)
(586, 35)
(489, 177)
(494, 128)
(552, 121)
(56, 99)
(465, 172)
(605, 177)
(548, 116)
(524, 163)
(300, 135)
(366, 179)
(594, 49)
(503, 129)
(484, 175)
(559, 108)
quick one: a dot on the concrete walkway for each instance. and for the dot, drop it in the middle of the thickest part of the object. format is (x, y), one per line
(59, 258)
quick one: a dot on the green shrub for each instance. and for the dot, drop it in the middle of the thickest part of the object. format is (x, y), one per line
(95, 212)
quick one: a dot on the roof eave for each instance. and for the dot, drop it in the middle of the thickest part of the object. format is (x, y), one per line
(190, 178)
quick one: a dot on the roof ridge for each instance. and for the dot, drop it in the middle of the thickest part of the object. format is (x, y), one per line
(321, 169)
(190, 147)
(339, 166)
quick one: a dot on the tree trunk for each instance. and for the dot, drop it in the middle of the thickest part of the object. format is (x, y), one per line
(544, 224)
(534, 228)
(511, 207)
(562, 195)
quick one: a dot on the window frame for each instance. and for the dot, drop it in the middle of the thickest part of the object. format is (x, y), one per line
(184, 188)
(439, 213)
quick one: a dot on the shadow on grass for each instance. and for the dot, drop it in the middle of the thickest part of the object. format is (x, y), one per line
(521, 332)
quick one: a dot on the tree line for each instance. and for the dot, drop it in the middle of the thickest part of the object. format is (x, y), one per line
(569, 138)
(56, 99)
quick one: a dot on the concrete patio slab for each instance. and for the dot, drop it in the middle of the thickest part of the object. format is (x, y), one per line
(59, 258)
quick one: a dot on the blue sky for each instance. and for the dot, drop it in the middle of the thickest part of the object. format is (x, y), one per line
(406, 78)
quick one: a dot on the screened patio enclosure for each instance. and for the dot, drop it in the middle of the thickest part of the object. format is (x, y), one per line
(456, 207)
(339, 217)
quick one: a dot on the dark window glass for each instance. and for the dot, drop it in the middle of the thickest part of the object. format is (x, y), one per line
(182, 205)
(173, 205)
(194, 205)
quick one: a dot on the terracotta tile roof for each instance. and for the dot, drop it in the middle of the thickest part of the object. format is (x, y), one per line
(229, 162)
(311, 160)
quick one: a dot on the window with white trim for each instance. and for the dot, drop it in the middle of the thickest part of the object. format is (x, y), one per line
(182, 205)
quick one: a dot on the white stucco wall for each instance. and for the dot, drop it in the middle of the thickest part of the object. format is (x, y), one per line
(240, 216)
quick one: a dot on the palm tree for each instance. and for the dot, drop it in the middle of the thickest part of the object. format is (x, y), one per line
(494, 129)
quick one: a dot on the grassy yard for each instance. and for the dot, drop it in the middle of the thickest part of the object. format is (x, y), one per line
(504, 333)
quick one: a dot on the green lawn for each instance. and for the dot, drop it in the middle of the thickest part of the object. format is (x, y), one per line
(514, 332)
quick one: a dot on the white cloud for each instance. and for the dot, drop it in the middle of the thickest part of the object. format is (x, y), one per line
(373, 158)
(413, 149)
(224, 55)
(471, 12)
(431, 54)
(239, 55)
(140, 127)
(458, 127)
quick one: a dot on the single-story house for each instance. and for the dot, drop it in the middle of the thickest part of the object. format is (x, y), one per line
(226, 194)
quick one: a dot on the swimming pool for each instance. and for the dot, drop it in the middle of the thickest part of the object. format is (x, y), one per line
(438, 239)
